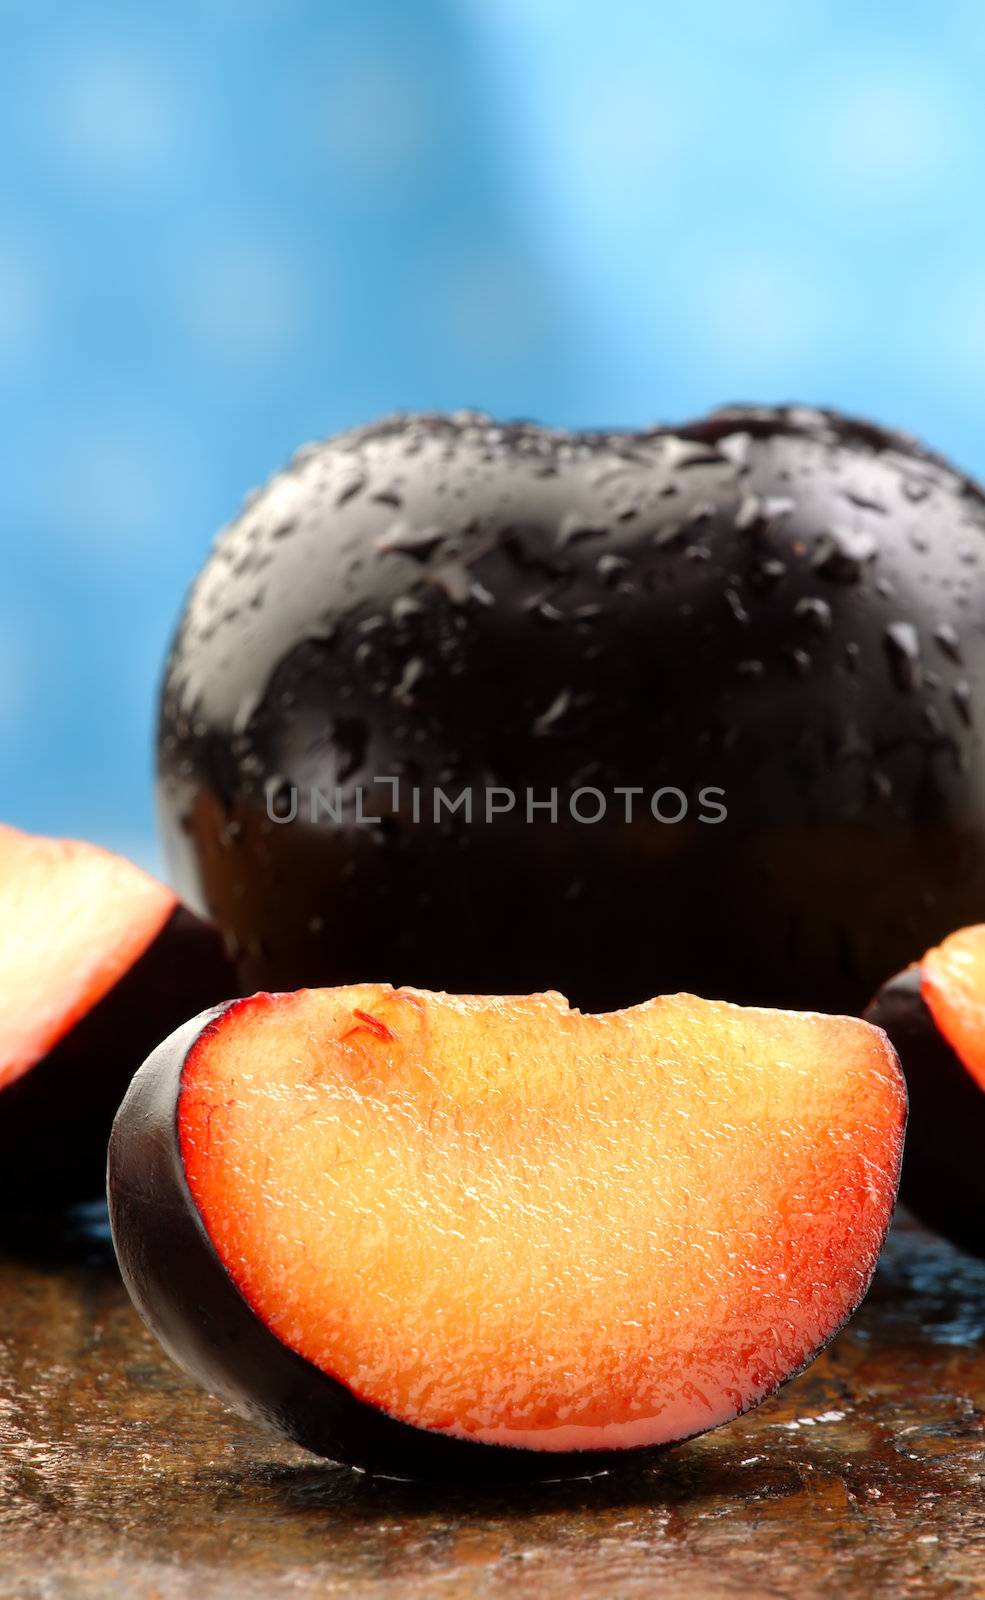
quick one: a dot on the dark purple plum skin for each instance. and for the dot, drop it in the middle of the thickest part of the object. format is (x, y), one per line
(55, 1119)
(191, 1304)
(943, 1174)
(781, 603)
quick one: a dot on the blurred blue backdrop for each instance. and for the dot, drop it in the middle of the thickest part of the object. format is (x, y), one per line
(227, 226)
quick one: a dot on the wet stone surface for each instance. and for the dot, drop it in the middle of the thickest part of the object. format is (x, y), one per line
(866, 1476)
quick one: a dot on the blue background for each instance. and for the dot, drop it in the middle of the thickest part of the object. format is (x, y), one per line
(227, 226)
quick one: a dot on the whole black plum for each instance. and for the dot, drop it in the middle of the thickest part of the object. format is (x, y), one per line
(713, 693)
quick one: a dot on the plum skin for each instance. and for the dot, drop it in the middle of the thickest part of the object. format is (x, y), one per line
(942, 1179)
(458, 603)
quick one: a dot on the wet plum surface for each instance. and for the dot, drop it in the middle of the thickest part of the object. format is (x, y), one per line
(782, 607)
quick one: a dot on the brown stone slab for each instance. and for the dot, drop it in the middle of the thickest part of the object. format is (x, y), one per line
(866, 1476)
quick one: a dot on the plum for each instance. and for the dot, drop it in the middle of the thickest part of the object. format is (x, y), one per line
(428, 1234)
(501, 708)
(97, 963)
(934, 1012)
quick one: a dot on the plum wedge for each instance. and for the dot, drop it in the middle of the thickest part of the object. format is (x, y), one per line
(934, 1012)
(98, 962)
(428, 1234)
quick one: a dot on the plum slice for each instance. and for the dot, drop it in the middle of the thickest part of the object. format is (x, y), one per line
(425, 1234)
(934, 1012)
(98, 962)
(952, 982)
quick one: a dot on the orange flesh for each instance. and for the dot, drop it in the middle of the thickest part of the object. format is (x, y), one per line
(952, 982)
(73, 920)
(502, 1219)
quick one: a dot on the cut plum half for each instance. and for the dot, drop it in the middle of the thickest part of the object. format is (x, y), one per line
(934, 1012)
(97, 963)
(424, 1234)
